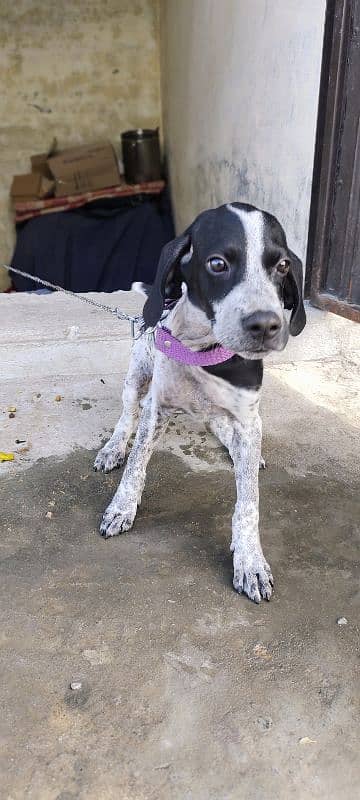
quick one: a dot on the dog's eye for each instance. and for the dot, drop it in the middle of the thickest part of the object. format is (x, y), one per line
(283, 266)
(215, 264)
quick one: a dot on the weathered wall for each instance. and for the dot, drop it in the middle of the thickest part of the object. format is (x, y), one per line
(240, 81)
(80, 70)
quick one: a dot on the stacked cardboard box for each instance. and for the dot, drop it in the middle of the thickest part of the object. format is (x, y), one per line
(72, 171)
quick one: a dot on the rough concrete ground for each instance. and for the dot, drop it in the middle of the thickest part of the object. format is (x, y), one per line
(188, 690)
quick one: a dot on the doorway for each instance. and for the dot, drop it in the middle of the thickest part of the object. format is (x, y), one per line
(333, 278)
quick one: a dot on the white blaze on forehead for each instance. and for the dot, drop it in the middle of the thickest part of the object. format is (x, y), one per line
(255, 290)
(253, 225)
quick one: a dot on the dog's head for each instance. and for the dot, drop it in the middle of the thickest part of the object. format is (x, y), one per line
(240, 272)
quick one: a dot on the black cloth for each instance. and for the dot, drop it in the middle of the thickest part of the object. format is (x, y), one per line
(103, 246)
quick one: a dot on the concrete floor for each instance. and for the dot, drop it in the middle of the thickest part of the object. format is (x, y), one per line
(188, 690)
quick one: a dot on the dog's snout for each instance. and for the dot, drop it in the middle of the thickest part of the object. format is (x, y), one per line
(265, 324)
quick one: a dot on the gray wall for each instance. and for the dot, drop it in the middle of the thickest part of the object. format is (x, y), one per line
(240, 83)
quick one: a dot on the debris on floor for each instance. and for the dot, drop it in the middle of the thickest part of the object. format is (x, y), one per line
(75, 685)
(7, 456)
(24, 449)
(264, 723)
(260, 651)
(73, 332)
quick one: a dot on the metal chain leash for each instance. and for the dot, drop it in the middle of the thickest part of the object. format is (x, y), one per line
(133, 319)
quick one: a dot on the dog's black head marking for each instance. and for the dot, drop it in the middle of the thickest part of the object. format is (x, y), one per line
(167, 280)
(293, 295)
(235, 263)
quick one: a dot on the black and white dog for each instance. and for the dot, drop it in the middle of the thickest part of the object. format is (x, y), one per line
(231, 275)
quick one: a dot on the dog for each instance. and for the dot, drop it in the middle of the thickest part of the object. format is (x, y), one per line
(217, 307)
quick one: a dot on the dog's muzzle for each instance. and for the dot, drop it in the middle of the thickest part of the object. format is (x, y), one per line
(264, 331)
(262, 325)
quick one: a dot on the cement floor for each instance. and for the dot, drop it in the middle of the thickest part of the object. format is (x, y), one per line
(188, 691)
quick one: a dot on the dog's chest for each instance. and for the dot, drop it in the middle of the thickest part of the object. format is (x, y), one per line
(195, 391)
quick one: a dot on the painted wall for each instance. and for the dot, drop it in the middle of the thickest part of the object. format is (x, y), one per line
(240, 82)
(78, 70)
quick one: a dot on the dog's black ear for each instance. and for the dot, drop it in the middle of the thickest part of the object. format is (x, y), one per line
(167, 280)
(293, 295)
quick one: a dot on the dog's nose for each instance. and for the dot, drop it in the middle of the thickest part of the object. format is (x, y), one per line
(265, 324)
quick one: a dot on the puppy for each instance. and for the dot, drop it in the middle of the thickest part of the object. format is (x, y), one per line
(216, 308)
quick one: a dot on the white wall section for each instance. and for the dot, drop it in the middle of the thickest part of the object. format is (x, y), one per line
(240, 82)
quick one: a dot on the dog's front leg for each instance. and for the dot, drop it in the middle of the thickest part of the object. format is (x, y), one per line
(120, 514)
(252, 574)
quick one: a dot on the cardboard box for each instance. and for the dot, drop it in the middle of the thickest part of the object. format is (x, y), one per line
(84, 169)
(32, 186)
(39, 162)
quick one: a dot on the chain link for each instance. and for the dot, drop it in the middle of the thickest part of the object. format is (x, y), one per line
(133, 319)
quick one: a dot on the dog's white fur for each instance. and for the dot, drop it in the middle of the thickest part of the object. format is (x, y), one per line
(255, 293)
(232, 413)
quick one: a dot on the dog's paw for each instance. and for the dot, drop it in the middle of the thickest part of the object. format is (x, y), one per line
(262, 463)
(117, 519)
(108, 458)
(252, 576)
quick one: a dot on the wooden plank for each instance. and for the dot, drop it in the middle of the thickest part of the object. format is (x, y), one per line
(329, 303)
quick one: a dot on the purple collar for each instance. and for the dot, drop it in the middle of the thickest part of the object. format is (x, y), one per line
(174, 349)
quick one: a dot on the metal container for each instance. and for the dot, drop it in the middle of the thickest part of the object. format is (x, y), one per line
(141, 155)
